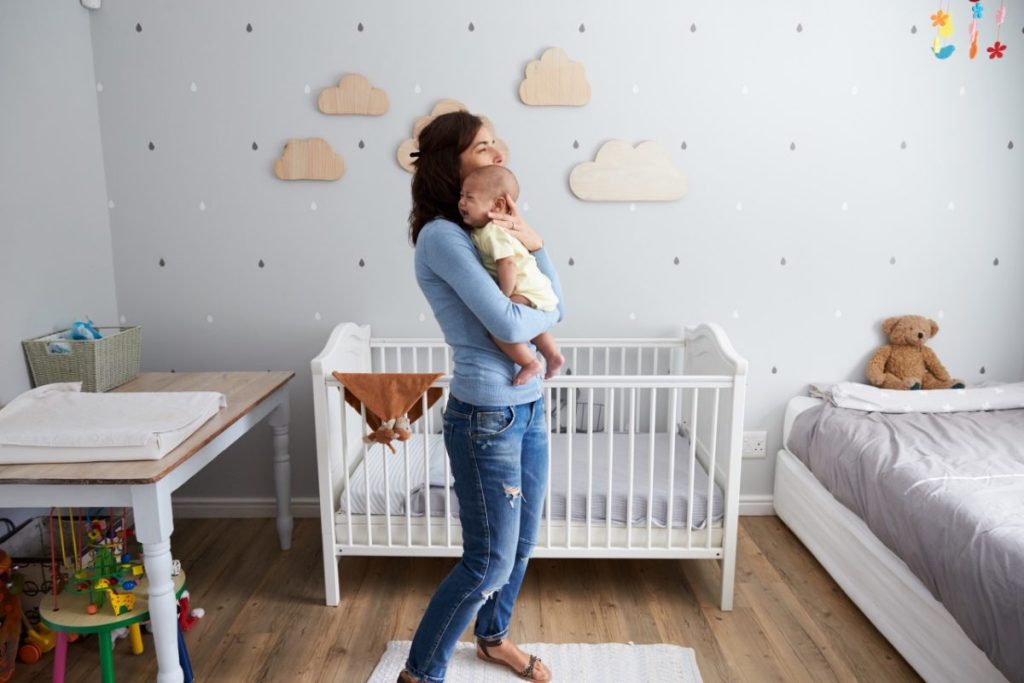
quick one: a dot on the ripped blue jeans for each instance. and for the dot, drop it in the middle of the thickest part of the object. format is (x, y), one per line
(499, 458)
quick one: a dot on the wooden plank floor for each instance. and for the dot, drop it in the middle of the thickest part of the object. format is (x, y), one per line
(266, 621)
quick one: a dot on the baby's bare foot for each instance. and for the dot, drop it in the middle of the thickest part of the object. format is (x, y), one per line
(555, 363)
(528, 372)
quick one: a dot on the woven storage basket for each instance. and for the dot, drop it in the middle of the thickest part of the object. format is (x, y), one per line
(98, 364)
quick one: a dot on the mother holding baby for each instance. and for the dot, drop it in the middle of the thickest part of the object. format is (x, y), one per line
(494, 427)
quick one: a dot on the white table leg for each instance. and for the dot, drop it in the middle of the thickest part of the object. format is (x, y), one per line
(153, 526)
(278, 420)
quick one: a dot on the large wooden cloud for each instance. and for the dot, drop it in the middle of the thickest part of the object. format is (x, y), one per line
(411, 145)
(623, 173)
(553, 80)
(309, 159)
(353, 95)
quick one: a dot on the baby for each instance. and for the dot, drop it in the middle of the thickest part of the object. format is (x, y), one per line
(508, 261)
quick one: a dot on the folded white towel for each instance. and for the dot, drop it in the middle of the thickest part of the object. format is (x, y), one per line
(61, 415)
(872, 399)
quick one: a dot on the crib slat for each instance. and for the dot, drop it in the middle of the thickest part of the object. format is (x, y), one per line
(398, 358)
(547, 426)
(570, 429)
(387, 492)
(609, 422)
(345, 463)
(366, 476)
(426, 479)
(632, 464)
(713, 447)
(590, 457)
(408, 496)
(447, 479)
(693, 459)
(672, 427)
(650, 470)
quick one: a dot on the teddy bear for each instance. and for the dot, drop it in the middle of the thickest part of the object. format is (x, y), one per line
(905, 362)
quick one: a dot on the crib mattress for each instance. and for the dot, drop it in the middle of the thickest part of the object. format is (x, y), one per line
(367, 481)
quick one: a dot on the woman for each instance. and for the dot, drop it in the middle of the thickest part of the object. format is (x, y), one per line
(495, 433)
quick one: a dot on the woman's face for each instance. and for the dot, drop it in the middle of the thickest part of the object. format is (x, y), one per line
(482, 152)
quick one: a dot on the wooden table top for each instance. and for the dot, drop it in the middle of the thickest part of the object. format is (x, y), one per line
(244, 391)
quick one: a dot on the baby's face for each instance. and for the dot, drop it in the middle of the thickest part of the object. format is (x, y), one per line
(474, 203)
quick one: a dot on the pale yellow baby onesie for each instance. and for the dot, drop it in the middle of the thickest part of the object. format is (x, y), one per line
(493, 243)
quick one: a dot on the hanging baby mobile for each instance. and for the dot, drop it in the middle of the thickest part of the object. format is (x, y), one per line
(942, 21)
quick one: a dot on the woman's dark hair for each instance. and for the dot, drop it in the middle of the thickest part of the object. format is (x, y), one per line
(437, 182)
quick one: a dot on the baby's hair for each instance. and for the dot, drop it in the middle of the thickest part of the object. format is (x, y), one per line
(496, 180)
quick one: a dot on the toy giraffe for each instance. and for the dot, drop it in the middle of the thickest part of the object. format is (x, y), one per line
(121, 602)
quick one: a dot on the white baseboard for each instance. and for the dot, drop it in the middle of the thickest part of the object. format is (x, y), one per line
(309, 506)
(756, 505)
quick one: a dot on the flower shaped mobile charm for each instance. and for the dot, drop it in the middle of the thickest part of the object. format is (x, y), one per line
(939, 18)
(978, 10)
(996, 51)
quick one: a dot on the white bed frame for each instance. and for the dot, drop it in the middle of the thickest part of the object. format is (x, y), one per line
(874, 577)
(644, 385)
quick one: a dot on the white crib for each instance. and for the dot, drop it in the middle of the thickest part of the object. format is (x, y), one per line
(619, 406)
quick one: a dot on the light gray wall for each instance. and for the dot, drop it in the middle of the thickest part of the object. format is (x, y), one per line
(55, 250)
(55, 254)
(737, 82)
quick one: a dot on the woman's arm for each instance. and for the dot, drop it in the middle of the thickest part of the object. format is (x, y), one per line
(448, 252)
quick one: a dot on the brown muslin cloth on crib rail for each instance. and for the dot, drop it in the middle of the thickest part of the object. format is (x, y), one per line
(392, 401)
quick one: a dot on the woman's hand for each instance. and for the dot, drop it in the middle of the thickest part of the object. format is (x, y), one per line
(514, 225)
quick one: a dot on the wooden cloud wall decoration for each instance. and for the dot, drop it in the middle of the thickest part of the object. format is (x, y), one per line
(623, 173)
(309, 159)
(554, 80)
(353, 95)
(410, 145)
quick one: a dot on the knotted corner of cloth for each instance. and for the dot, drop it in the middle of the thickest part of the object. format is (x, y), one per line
(392, 401)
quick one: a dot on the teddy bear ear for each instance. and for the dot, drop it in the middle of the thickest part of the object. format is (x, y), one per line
(889, 324)
(935, 327)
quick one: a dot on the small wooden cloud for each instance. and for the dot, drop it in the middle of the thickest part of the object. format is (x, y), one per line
(553, 80)
(410, 145)
(353, 95)
(622, 173)
(309, 159)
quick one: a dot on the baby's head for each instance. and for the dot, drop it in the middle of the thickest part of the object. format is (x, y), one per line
(484, 190)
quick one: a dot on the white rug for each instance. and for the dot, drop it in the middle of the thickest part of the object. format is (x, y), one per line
(569, 663)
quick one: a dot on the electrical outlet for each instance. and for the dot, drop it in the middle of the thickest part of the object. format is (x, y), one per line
(755, 444)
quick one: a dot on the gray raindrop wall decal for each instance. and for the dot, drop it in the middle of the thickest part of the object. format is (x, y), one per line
(775, 370)
(982, 370)
(676, 260)
(255, 146)
(575, 144)
(248, 28)
(693, 28)
(792, 147)
(995, 262)
(892, 260)
(261, 264)
(471, 27)
(913, 29)
(362, 144)
(362, 263)
(799, 28)
(360, 27)
(172, 369)
(782, 261)
(903, 145)
(162, 263)
(151, 146)
(138, 28)
(1009, 145)
(572, 261)
(583, 29)
(683, 146)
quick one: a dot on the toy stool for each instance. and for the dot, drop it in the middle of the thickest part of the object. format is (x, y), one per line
(72, 617)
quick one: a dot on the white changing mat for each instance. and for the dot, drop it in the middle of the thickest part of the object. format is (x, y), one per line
(60, 423)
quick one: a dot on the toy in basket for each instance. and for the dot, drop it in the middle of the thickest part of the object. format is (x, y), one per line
(78, 355)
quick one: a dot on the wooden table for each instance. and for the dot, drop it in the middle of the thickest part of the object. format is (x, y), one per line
(146, 485)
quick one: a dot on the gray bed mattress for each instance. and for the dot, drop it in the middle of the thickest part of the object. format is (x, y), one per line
(945, 492)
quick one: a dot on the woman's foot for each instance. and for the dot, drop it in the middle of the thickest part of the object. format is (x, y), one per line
(555, 363)
(529, 371)
(406, 677)
(505, 652)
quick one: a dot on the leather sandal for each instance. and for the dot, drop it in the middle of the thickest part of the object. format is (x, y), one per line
(526, 673)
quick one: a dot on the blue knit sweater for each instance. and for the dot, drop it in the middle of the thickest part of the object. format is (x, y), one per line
(469, 306)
